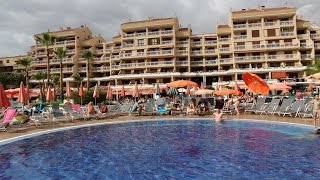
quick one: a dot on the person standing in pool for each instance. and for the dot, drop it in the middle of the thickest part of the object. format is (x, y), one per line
(217, 115)
(316, 108)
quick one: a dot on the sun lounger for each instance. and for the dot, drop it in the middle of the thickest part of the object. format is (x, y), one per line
(258, 106)
(148, 109)
(7, 118)
(270, 107)
(306, 112)
(59, 115)
(285, 105)
(294, 110)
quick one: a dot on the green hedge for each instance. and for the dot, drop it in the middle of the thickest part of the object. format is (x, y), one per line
(88, 97)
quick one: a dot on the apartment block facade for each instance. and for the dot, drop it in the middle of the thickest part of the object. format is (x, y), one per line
(271, 42)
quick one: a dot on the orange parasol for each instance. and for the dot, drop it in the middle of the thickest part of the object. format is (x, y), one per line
(201, 87)
(135, 90)
(182, 83)
(68, 90)
(81, 93)
(188, 90)
(281, 86)
(96, 92)
(4, 101)
(255, 83)
(49, 95)
(109, 92)
(223, 92)
(204, 92)
(122, 92)
(22, 94)
(310, 88)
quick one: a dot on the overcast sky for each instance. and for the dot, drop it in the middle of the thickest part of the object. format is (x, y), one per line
(21, 19)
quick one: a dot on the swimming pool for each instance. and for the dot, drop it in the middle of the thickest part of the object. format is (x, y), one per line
(167, 149)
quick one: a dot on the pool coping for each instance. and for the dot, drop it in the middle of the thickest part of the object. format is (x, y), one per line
(27, 136)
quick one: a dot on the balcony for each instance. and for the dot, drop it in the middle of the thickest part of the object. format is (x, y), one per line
(211, 62)
(37, 62)
(116, 48)
(82, 69)
(159, 63)
(306, 45)
(64, 60)
(196, 62)
(96, 59)
(131, 65)
(287, 34)
(115, 66)
(286, 23)
(224, 49)
(127, 45)
(141, 34)
(153, 52)
(70, 51)
(41, 54)
(317, 45)
(273, 23)
(82, 60)
(60, 43)
(239, 26)
(166, 42)
(314, 36)
(225, 60)
(249, 58)
(210, 51)
(239, 37)
(253, 25)
(167, 52)
(182, 42)
(101, 69)
(166, 32)
(196, 43)
(210, 42)
(153, 33)
(113, 57)
(181, 62)
(223, 39)
(128, 35)
(301, 36)
(180, 52)
(257, 46)
(106, 58)
(196, 52)
(305, 56)
(239, 47)
(140, 54)
(124, 55)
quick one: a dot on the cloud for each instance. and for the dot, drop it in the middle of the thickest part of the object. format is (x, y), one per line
(20, 20)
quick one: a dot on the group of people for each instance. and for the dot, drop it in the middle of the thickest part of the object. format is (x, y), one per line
(90, 109)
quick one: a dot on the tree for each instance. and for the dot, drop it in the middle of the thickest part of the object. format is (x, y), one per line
(46, 40)
(60, 54)
(40, 76)
(314, 67)
(26, 62)
(11, 80)
(77, 78)
(88, 55)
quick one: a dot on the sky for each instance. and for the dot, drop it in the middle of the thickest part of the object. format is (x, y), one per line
(21, 19)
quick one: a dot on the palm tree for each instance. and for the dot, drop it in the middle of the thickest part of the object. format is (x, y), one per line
(46, 40)
(60, 54)
(77, 78)
(26, 62)
(88, 55)
(314, 67)
(40, 76)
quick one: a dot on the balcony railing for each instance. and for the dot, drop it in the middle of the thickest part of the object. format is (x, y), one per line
(196, 52)
(153, 52)
(141, 34)
(210, 51)
(225, 60)
(115, 66)
(196, 62)
(41, 53)
(252, 25)
(128, 35)
(64, 60)
(210, 42)
(249, 58)
(166, 32)
(223, 49)
(39, 62)
(303, 35)
(103, 68)
(166, 42)
(181, 62)
(287, 34)
(305, 56)
(70, 51)
(182, 52)
(99, 51)
(238, 47)
(315, 35)
(317, 45)
(106, 58)
(115, 56)
(239, 26)
(211, 61)
(305, 45)
(285, 23)
(160, 63)
(127, 45)
(182, 42)
(196, 42)
(236, 37)
(81, 69)
(167, 51)
(153, 33)
(273, 23)
(140, 54)
(126, 55)
(257, 46)
(116, 47)
(223, 39)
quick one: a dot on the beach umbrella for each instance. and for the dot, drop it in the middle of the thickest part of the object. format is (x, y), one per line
(81, 93)
(201, 86)
(4, 101)
(122, 92)
(182, 83)
(49, 95)
(224, 92)
(158, 91)
(172, 91)
(96, 94)
(255, 83)
(280, 86)
(68, 90)
(188, 91)
(135, 90)
(109, 92)
(310, 88)
(22, 94)
(204, 92)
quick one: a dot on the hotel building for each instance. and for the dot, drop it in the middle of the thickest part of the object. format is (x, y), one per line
(271, 42)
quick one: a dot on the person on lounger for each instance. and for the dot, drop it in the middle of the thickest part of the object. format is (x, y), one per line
(202, 107)
(191, 107)
(90, 109)
(103, 107)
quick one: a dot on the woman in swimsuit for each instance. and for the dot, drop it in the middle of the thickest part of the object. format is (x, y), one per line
(316, 108)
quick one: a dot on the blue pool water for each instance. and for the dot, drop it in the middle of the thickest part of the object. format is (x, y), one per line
(173, 149)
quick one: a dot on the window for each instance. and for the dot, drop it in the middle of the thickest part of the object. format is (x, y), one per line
(8, 61)
(255, 33)
(271, 32)
(154, 41)
(140, 42)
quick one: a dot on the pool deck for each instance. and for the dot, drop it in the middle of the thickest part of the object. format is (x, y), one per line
(11, 132)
